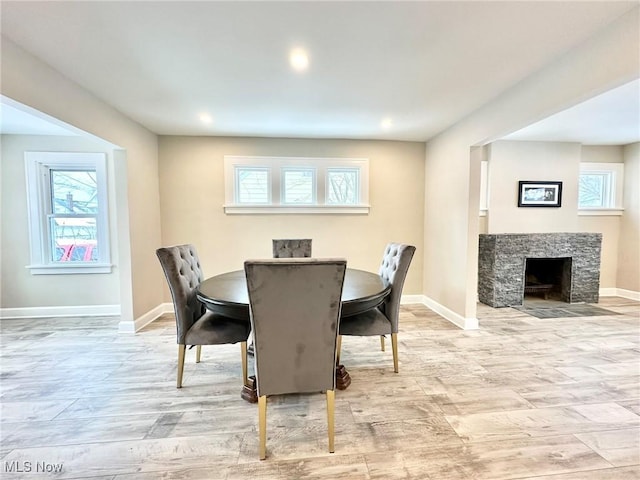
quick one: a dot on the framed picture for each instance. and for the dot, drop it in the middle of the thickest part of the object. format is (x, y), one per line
(539, 194)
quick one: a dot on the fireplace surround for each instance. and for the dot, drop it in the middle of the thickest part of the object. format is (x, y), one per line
(502, 260)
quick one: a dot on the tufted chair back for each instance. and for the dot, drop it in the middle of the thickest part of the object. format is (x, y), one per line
(393, 270)
(182, 268)
(291, 248)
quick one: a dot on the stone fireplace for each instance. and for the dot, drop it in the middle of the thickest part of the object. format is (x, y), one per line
(565, 266)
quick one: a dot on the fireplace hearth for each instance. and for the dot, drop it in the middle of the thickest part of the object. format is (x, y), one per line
(562, 266)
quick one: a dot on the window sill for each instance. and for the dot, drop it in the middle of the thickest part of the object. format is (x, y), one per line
(594, 212)
(70, 269)
(296, 209)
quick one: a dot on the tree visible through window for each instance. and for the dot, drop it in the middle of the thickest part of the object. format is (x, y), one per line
(252, 185)
(342, 186)
(296, 185)
(72, 223)
(592, 190)
(600, 186)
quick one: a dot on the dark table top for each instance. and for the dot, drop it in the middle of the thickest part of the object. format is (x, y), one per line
(227, 293)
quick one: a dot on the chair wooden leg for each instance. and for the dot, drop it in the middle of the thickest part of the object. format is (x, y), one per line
(394, 347)
(331, 395)
(181, 349)
(198, 352)
(243, 353)
(262, 425)
(382, 342)
(338, 348)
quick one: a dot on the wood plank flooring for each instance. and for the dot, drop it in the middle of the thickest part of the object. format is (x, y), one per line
(520, 398)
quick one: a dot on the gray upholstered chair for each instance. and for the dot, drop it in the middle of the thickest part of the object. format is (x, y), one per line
(384, 319)
(288, 248)
(195, 325)
(295, 312)
(291, 248)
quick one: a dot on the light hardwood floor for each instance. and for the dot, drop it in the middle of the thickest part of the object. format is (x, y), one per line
(520, 398)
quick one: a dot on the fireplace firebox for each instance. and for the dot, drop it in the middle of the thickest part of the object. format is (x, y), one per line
(549, 278)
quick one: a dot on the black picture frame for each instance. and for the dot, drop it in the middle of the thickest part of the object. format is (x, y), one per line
(539, 194)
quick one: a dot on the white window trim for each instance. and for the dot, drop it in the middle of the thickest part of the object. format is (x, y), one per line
(616, 170)
(484, 188)
(276, 163)
(36, 163)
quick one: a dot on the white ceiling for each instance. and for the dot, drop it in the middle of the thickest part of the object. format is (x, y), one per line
(17, 120)
(424, 65)
(612, 118)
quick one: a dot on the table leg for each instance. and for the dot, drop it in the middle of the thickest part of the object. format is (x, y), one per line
(343, 379)
(250, 392)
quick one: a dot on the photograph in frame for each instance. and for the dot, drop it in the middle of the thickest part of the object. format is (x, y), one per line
(539, 193)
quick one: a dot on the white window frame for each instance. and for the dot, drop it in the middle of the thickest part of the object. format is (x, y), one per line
(38, 166)
(614, 177)
(276, 166)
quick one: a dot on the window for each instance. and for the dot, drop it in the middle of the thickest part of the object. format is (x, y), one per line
(600, 187)
(296, 185)
(342, 186)
(252, 185)
(67, 212)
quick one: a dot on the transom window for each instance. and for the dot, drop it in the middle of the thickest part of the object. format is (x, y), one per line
(67, 212)
(296, 185)
(252, 185)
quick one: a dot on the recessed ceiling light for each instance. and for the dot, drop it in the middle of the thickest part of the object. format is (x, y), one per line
(205, 118)
(386, 123)
(299, 59)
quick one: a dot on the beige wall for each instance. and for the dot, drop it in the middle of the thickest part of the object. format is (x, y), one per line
(629, 247)
(192, 195)
(609, 226)
(602, 154)
(19, 288)
(511, 162)
(29, 81)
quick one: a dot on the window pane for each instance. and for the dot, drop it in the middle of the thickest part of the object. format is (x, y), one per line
(252, 185)
(74, 191)
(298, 185)
(74, 239)
(592, 190)
(342, 186)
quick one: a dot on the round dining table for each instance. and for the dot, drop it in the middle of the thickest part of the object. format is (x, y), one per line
(227, 295)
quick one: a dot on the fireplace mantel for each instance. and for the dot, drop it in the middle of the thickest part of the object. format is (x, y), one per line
(502, 259)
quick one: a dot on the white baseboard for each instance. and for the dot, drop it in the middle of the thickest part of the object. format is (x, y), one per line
(57, 312)
(128, 326)
(620, 292)
(453, 317)
(411, 299)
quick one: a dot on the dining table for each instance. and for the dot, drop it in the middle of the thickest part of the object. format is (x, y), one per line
(226, 294)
